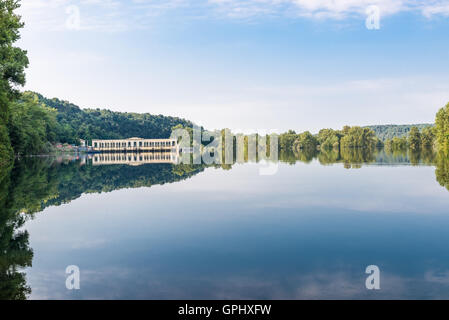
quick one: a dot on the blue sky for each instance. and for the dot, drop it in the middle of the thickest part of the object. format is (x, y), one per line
(245, 65)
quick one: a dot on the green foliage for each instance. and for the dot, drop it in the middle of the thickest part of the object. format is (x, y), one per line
(32, 125)
(358, 137)
(76, 123)
(305, 141)
(6, 152)
(414, 139)
(428, 137)
(396, 143)
(13, 62)
(286, 140)
(442, 129)
(329, 138)
(348, 137)
(390, 131)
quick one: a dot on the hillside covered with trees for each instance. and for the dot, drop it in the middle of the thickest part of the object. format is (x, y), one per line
(390, 131)
(76, 123)
(35, 123)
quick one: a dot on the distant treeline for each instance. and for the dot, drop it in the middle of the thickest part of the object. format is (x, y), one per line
(394, 137)
(348, 137)
(390, 131)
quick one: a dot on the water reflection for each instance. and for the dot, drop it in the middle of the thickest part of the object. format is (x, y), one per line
(15, 252)
(38, 183)
(134, 159)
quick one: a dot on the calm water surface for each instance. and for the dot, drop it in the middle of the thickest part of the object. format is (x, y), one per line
(162, 231)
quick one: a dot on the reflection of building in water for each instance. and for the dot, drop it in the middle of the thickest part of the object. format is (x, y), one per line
(134, 159)
(135, 145)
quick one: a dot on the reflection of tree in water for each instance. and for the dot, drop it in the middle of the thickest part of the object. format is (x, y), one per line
(329, 156)
(14, 246)
(423, 156)
(34, 184)
(442, 169)
(304, 155)
(355, 157)
(288, 157)
(350, 157)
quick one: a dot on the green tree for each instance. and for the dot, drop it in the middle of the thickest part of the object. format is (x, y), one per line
(329, 138)
(414, 139)
(442, 129)
(32, 125)
(396, 144)
(442, 169)
(390, 131)
(357, 137)
(286, 140)
(13, 62)
(428, 137)
(305, 141)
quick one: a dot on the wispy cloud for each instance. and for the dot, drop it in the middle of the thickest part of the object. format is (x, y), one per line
(436, 8)
(113, 15)
(306, 8)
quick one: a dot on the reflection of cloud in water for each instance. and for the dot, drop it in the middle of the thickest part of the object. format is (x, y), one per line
(441, 277)
(128, 283)
(89, 244)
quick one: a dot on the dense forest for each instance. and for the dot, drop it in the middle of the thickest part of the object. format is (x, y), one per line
(390, 131)
(13, 62)
(76, 123)
(348, 137)
(35, 123)
(392, 137)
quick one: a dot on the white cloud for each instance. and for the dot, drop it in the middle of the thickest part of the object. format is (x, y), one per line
(114, 15)
(344, 8)
(436, 8)
(325, 9)
(307, 8)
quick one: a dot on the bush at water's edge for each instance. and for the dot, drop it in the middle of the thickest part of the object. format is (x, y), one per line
(6, 152)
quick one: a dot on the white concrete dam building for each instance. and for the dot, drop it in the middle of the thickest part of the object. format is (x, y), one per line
(135, 145)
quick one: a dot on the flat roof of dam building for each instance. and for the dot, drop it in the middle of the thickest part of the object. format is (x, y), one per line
(133, 143)
(133, 138)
